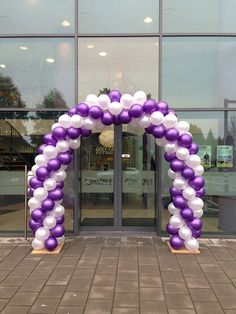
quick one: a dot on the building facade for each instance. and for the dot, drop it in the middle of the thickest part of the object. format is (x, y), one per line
(54, 53)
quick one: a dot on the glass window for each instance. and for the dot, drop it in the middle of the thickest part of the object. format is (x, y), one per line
(36, 73)
(124, 17)
(127, 64)
(36, 16)
(199, 16)
(215, 133)
(199, 72)
(21, 134)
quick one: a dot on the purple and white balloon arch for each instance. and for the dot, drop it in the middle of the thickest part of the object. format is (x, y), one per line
(48, 173)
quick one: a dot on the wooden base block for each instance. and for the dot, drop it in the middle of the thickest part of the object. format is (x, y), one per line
(45, 251)
(183, 251)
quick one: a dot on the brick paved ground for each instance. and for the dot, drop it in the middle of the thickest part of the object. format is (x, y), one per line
(118, 275)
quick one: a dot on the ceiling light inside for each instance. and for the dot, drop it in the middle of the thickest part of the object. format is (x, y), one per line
(2, 66)
(148, 20)
(65, 23)
(102, 54)
(90, 46)
(23, 48)
(50, 60)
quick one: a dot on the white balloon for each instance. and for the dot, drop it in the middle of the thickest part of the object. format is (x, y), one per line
(50, 184)
(50, 152)
(189, 193)
(37, 244)
(59, 175)
(40, 194)
(62, 146)
(185, 233)
(59, 202)
(193, 161)
(55, 125)
(34, 203)
(139, 98)
(61, 240)
(115, 107)
(42, 234)
(74, 143)
(191, 244)
(199, 170)
(176, 221)
(64, 167)
(40, 160)
(170, 121)
(182, 153)
(196, 203)
(103, 101)
(49, 222)
(34, 168)
(89, 123)
(29, 176)
(58, 211)
(76, 121)
(157, 118)
(144, 121)
(65, 121)
(160, 141)
(183, 127)
(198, 213)
(173, 210)
(91, 100)
(172, 174)
(126, 101)
(170, 147)
(179, 183)
(99, 125)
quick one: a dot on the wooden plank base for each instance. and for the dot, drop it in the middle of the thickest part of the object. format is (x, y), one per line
(45, 251)
(183, 251)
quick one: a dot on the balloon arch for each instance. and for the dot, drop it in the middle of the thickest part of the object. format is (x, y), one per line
(47, 175)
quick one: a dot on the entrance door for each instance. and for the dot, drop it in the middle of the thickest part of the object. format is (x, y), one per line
(117, 169)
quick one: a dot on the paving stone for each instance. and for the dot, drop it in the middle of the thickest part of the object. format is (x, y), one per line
(151, 270)
(104, 280)
(104, 269)
(125, 310)
(202, 295)
(3, 302)
(70, 310)
(47, 306)
(213, 277)
(190, 271)
(178, 301)
(83, 274)
(175, 288)
(101, 292)
(98, 306)
(52, 292)
(208, 308)
(23, 298)
(197, 283)
(126, 286)
(74, 298)
(150, 281)
(170, 275)
(14, 309)
(126, 299)
(79, 285)
(7, 292)
(153, 307)
(155, 294)
(16, 280)
(181, 311)
(127, 274)
(32, 285)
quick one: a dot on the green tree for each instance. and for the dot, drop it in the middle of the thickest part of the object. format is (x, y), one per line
(53, 99)
(10, 96)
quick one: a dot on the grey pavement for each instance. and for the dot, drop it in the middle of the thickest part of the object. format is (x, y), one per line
(118, 275)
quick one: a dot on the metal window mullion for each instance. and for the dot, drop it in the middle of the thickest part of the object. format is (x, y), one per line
(117, 179)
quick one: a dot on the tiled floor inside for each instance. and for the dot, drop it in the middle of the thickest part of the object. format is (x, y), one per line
(118, 275)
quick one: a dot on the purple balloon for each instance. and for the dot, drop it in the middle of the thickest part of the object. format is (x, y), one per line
(35, 183)
(41, 148)
(64, 158)
(174, 192)
(49, 139)
(177, 165)
(95, 112)
(51, 243)
(172, 134)
(172, 112)
(73, 133)
(193, 149)
(56, 194)
(187, 213)
(185, 140)
(169, 156)
(107, 118)
(201, 193)
(60, 185)
(72, 111)
(115, 95)
(171, 230)
(54, 164)
(47, 205)
(197, 182)
(150, 106)
(179, 202)
(85, 132)
(42, 173)
(196, 233)
(34, 225)
(82, 109)
(57, 231)
(136, 111)
(60, 219)
(124, 116)
(116, 120)
(195, 224)
(158, 131)
(188, 173)
(163, 107)
(176, 242)
(31, 191)
(59, 133)
(149, 129)
(37, 214)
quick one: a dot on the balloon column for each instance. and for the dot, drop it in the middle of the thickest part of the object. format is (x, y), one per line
(48, 173)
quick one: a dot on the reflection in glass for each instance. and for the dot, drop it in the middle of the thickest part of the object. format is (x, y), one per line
(40, 76)
(138, 165)
(131, 64)
(97, 175)
(215, 133)
(199, 72)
